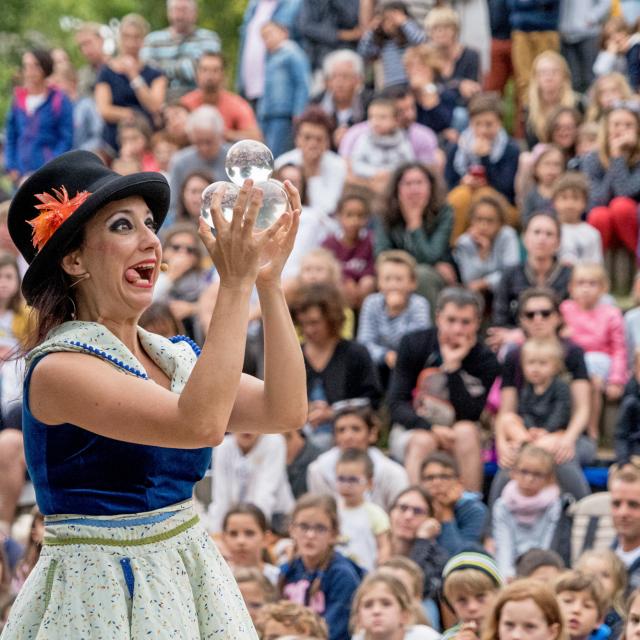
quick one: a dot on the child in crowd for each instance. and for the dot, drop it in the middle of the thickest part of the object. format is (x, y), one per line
(382, 610)
(250, 467)
(287, 83)
(579, 241)
(598, 328)
(488, 247)
(583, 605)
(586, 142)
(412, 577)
(32, 551)
(244, 531)
(163, 148)
(256, 590)
(356, 427)
(364, 526)
(548, 163)
(617, 39)
(382, 148)
(632, 616)
(318, 575)
(540, 564)
(525, 608)
(353, 248)
(134, 138)
(471, 581)
(14, 316)
(393, 312)
(605, 92)
(612, 573)
(284, 619)
(528, 511)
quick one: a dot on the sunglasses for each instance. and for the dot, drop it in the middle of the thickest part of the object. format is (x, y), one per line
(192, 251)
(543, 313)
(416, 511)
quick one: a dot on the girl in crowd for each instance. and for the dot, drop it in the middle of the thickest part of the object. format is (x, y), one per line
(256, 589)
(190, 202)
(14, 323)
(244, 531)
(562, 130)
(548, 164)
(550, 87)
(417, 219)
(525, 608)
(614, 173)
(382, 610)
(606, 91)
(318, 576)
(412, 577)
(632, 617)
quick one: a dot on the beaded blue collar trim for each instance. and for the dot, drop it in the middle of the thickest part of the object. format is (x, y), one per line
(107, 356)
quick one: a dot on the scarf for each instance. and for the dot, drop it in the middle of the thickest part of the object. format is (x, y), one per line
(527, 509)
(464, 156)
(176, 357)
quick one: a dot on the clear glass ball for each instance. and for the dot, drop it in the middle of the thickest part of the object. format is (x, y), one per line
(274, 203)
(229, 197)
(249, 159)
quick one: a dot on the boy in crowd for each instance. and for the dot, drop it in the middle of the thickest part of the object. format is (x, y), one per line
(540, 564)
(471, 581)
(363, 524)
(583, 605)
(393, 312)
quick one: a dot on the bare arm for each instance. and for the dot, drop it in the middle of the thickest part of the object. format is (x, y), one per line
(104, 102)
(152, 96)
(581, 407)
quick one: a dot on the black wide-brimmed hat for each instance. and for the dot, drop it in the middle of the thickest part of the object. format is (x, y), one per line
(74, 179)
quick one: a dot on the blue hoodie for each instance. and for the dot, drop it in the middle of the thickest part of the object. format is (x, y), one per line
(338, 583)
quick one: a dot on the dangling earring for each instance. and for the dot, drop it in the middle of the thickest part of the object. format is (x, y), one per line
(80, 278)
(73, 305)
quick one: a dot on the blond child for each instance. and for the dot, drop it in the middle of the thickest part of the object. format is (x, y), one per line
(528, 510)
(255, 588)
(284, 618)
(364, 526)
(471, 581)
(579, 241)
(412, 577)
(583, 603)
(598, 328)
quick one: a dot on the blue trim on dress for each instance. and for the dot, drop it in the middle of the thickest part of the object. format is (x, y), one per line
(130, 522)
(196, 349)
(107, 356)
(129, 578)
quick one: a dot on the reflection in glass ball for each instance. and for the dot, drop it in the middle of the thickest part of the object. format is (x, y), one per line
(274, 203)
(228, 200)
(248, 159)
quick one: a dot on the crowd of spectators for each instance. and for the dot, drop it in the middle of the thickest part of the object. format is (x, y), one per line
(463, 284)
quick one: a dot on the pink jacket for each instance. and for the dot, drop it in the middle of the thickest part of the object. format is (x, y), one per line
(599, 329)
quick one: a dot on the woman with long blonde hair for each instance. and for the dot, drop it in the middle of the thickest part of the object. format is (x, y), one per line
(549, 87)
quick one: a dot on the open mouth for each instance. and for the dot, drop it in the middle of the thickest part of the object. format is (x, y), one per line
(141, 274)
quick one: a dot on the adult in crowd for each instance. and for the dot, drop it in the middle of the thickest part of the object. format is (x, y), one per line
(39, 123)
(540, 269)
(337, 369)
(483, 161)
(324, 170)
(613, 171)
(98, 267)
(327, 25)
(12, 461)
(624, 487)
(175, 49)
(189, 205)
(422, 139)
(416, 218)
(539, 318)
(462, 514)
(239, 120)
(562, 127)
(207, 152)
(344, 97)
(252, 52)
(580, 26)
(550, 87)
(91, 44)
(126, 85)
(439, 388)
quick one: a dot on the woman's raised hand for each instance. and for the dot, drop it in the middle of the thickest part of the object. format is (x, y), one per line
(235, 249)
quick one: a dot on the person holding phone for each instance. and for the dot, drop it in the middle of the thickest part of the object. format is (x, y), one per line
(483, 162)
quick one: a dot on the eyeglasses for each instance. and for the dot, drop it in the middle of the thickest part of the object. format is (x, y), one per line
(184, 247)
(416, 511)
(351, 480)
(317, 529)
(534, 475)
(543, 313)
(437, 476)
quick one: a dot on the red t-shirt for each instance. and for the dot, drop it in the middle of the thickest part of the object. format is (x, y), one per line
(235, 111)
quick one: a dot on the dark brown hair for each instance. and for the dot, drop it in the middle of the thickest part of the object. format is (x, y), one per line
(486, 102)
(247, 509)
(316, 116)
(327, 298)
(571, 181)
(16, 302)
(182, 211)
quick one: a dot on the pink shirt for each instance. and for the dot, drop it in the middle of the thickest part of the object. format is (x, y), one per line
(599, 329)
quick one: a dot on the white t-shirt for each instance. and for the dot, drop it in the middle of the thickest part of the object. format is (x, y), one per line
(628, 557)
(359, 527)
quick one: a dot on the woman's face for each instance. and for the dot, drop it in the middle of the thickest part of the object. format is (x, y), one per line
(409, 513)
(632, 627)
(183, 244)
(621, 122)
(541, 238)
(525, 620)
(314, 326)
(443, 36)
(414, 190)
(32, 72)
(192, 196)
(539, 318)
(131, 39)
(549, 75)
(121, 253)
(565, 131)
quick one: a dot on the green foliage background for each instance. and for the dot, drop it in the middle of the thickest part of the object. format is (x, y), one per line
(24, 23)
